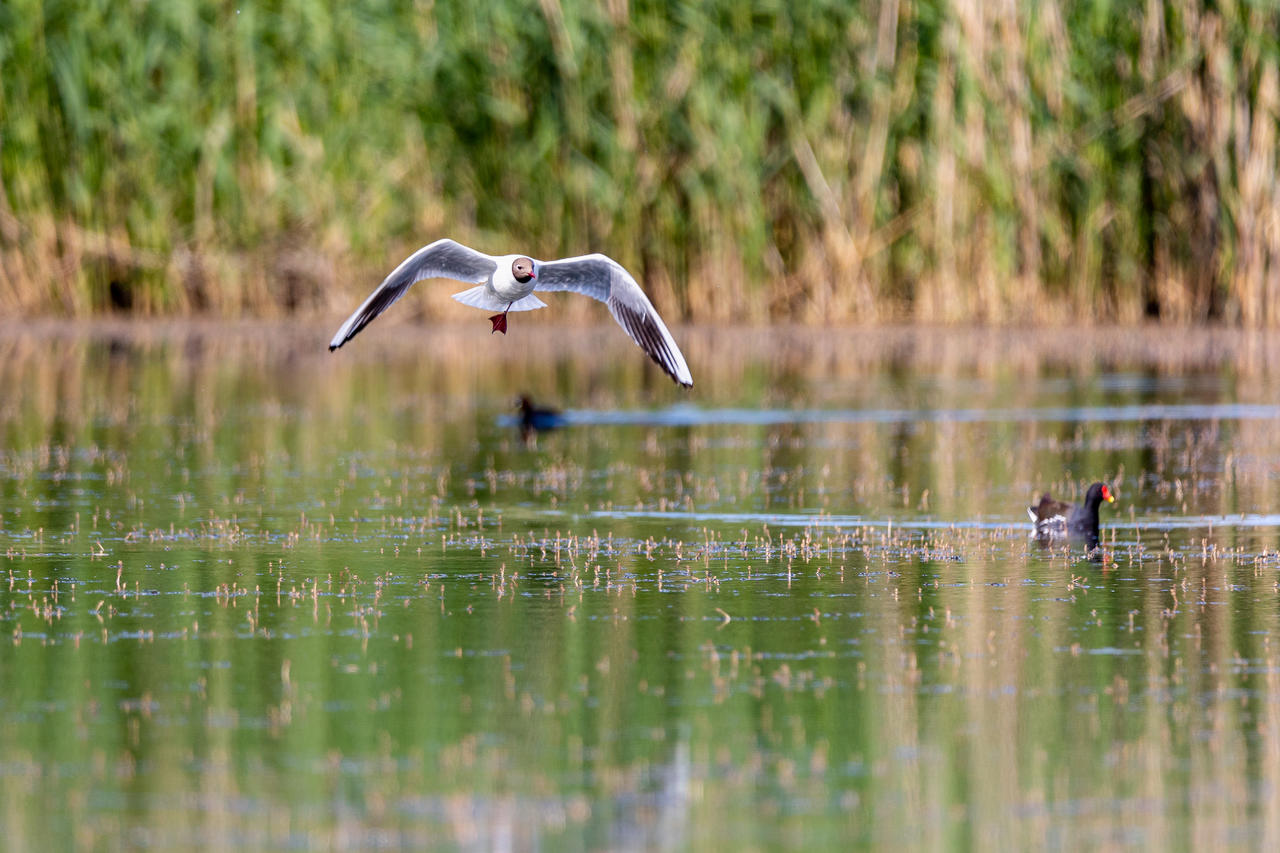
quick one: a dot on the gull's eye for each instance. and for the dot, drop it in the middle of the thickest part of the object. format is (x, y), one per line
(522, 269)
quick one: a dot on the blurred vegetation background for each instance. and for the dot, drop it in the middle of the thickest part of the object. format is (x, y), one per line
(824, 161)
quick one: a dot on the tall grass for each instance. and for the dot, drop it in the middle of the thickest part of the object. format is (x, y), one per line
(821, 161)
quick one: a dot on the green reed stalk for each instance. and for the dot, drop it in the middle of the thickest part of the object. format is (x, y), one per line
(822, 162)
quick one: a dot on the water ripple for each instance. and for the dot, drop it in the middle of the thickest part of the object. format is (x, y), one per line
(689, 415)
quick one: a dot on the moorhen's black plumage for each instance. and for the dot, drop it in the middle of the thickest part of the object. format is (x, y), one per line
(1058, 519)
(535, 419)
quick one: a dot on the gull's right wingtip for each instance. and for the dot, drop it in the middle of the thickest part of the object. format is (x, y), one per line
(340, 337)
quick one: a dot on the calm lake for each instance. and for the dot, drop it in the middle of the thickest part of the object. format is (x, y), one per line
(261, 596)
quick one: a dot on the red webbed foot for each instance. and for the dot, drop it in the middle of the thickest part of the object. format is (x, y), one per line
(499, 322)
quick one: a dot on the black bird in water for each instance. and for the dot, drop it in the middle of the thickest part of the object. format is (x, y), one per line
(1056, 520)
(535, 419)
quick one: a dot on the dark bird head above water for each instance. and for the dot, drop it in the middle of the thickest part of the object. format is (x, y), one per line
(1098, 493)
(541, 417)
(535, 418)
(522, 269)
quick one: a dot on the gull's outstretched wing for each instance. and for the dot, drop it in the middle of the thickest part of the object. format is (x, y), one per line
(603, 278)
(441, 259)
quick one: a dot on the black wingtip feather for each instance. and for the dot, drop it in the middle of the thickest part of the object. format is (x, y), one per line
(645, 333)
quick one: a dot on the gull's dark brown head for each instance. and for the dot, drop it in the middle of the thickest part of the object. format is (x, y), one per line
(522, 269)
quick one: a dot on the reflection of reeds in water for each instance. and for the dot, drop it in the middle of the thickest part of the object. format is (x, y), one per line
(400, 639)
(435, 388)
(888, 161)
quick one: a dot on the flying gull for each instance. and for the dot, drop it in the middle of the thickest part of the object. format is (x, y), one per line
(505, 283)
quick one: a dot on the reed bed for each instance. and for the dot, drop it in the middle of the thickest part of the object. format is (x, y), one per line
(821, 162)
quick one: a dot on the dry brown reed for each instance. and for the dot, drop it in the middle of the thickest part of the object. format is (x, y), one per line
(939, 163)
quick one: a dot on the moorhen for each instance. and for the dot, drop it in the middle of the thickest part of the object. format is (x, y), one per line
(1058, 519)
(535, 419)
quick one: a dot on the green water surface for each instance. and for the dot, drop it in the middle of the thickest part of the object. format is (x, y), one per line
(257, 596)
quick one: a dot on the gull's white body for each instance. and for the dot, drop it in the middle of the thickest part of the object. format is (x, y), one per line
(502, 290)
(498, 289)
